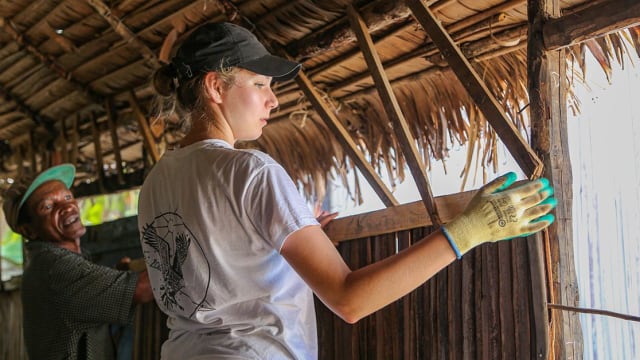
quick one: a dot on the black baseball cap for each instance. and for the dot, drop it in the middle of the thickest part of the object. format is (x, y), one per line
(215, 46)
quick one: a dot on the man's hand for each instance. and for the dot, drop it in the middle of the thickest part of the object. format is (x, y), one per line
(123, 264)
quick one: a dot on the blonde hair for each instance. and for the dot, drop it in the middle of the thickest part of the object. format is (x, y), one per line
(185, 97)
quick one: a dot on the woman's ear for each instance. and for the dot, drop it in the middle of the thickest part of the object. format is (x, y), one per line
(213, 86)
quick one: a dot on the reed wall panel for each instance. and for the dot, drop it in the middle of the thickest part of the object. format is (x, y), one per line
(477, 308)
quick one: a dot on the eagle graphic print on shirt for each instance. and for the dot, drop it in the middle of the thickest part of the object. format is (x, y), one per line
(169, 242)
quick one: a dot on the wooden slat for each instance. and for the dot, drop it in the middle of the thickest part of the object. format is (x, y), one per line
(590, 22)
(506, 130)
(343, 137)
(505, 289)
(392, 108)
(401, 217)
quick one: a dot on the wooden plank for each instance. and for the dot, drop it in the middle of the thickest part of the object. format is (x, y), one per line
(506, 130)
(550, 140)
(112, 119)
(507, 326)
(392, 108)
(401, 217)
(147, 137)
(454, 309)
(468, 309)
(590, 22)
(342, 135)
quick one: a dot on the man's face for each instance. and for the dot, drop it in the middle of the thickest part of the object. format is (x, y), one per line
(53, 213)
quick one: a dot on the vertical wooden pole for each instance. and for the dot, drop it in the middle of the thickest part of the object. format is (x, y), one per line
(32, 152)
(149, 142)
(548, 94)
(98, 152)
(73, 156)
(64, 142)
(112, 119)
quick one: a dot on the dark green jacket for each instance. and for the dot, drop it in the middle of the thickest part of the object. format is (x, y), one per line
(68, 303)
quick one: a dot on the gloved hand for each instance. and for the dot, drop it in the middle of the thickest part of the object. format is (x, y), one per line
(499, 213)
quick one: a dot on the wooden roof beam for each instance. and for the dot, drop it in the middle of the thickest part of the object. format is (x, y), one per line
(590, 22)
(345, 140)
(524, 155)
(392, 108)
(121, 29)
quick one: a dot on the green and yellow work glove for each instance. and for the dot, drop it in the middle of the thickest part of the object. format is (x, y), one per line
(499, 213)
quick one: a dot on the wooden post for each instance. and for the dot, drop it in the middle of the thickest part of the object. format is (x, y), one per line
(75, 138)
(149, 142)
(112, 119)
(548, 94)
(98, 151)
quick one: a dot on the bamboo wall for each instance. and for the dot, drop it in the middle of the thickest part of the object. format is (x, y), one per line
(477, 308)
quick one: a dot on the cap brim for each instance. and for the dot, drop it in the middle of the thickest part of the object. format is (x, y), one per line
(276, 67)
(64, 173)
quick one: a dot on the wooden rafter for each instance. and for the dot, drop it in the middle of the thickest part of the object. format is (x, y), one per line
(590, 22)
(392, 108)
(345, 140)
(119, 27)
(506, 130)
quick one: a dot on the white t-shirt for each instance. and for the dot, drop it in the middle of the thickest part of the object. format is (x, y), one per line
(212, 221)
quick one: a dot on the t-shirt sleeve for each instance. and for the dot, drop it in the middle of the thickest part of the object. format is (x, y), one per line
(275, 206)
(92, 293)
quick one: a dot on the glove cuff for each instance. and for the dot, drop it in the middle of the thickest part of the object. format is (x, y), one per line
(446, 234)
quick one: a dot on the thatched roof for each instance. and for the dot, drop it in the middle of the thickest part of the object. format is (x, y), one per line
(63, 63)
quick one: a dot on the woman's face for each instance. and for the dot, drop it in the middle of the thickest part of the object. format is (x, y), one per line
(247, 103)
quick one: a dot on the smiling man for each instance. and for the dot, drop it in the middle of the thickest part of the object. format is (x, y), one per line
(68, 301)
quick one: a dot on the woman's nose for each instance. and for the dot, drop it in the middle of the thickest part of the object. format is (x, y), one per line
(273, 100)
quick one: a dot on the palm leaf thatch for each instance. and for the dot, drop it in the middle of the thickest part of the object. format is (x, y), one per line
(62, 61)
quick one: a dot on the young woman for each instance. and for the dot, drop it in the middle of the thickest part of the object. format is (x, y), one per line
(233, 252)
